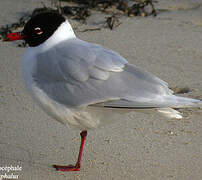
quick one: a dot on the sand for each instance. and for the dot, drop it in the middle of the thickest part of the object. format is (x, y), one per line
(142, 146)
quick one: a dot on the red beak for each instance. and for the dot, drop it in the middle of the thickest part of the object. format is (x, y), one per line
(14, 36)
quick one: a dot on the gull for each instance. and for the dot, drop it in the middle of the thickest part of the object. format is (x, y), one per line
(84, 85)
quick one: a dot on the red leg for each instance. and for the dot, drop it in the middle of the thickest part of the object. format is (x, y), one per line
(78, 164)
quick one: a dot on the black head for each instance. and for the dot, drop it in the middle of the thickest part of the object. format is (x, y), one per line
(40, 27)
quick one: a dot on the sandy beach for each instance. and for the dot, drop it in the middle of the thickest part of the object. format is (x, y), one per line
(140, 147)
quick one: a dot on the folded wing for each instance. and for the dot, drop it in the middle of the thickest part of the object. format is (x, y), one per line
(76, 73)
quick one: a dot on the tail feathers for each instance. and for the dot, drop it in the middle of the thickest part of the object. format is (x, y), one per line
(178, 102)
(170, 113)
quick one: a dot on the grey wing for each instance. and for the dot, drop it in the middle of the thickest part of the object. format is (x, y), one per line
(77, 73)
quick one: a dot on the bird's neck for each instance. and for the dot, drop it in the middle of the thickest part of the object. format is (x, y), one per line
(64, 32)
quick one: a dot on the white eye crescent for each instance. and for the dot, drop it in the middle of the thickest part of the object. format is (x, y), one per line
(38, 30)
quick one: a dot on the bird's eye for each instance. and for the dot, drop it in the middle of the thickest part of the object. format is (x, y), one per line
(38, 30)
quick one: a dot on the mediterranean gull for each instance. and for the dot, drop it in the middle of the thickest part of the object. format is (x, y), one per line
(77, 82)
